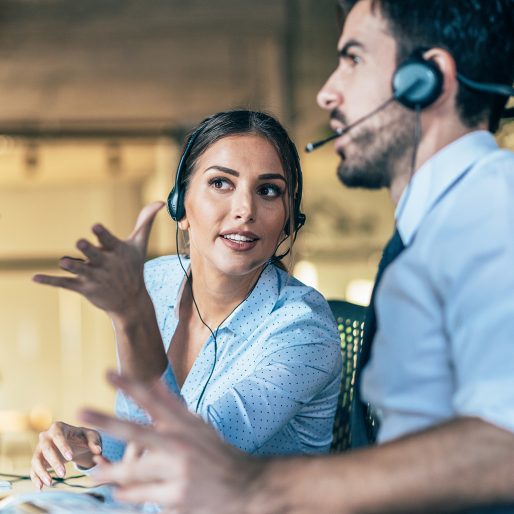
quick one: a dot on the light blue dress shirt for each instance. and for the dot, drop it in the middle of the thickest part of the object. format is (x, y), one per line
(276, 381)
(444, 346)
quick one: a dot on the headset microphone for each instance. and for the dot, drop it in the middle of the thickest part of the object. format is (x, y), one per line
(339, 132)
(402, 91)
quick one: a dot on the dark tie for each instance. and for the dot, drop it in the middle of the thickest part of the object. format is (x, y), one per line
(392, 249)
(364, 424)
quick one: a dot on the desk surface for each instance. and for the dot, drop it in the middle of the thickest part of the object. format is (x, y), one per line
(26, 486)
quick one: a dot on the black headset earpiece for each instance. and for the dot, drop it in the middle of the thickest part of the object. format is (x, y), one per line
(298, 216)
(417, 82)
(175, 201)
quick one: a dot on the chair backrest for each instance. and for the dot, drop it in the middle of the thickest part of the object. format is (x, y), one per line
(353, 425)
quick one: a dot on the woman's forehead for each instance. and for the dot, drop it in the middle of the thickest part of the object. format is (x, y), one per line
(247, 151)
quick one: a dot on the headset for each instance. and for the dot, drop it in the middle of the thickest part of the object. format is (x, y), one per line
(416, 84)
(175, 203)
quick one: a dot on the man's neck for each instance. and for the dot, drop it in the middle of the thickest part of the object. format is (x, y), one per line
(434, 138)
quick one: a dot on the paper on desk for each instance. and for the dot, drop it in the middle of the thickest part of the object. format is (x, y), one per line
(61, 502)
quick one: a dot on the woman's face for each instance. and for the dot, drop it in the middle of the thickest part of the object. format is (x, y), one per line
(236, 205)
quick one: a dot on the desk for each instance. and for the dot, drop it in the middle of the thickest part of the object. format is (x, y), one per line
(26, 486)
(26, 499)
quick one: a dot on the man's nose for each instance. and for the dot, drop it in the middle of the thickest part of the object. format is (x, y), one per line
(330, 96)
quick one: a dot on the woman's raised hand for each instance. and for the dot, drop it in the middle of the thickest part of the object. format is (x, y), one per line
(111, 274)
(62, 443)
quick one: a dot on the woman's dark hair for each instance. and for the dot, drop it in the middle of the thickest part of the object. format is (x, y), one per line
(479, 34)
(242, 122)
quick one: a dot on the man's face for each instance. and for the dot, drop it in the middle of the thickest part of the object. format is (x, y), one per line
(372, 153)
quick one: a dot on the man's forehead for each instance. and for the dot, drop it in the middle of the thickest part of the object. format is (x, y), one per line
(365, 26)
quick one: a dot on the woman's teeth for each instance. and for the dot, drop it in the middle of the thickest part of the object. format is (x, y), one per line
(238, 238)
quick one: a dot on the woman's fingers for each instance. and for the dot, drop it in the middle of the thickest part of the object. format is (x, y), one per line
(94, 442)
(40, 467)
(75, 266)
(61, 443)
(36, 480)
(69, 283)
(105, 238)
(144, 223)
(94, 255)
(54, 457)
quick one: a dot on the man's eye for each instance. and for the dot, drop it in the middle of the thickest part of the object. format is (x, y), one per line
(354, 59)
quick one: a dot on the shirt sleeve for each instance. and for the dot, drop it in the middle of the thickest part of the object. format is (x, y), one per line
(155, 273)
(126, 408)
(480, 310)
(251, 412)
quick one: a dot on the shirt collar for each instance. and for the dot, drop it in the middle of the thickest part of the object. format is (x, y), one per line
(437, 176)
(250, 312)
(259, 304)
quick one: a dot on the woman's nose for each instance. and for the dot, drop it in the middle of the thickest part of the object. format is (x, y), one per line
(244, 206)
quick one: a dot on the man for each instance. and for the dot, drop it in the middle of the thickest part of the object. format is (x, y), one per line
(441, 371)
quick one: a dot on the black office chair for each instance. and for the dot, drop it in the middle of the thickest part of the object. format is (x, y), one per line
(355, 425)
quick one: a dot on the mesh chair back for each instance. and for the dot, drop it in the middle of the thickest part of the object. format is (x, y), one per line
(354, 425)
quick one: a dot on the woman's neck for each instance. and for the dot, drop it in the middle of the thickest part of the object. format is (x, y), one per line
(217, 295)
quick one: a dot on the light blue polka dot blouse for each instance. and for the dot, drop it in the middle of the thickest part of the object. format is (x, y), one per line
(276, 379)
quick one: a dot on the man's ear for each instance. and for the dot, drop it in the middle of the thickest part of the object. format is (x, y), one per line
(446, 63)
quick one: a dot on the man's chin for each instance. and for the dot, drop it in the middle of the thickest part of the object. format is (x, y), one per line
(358, 177)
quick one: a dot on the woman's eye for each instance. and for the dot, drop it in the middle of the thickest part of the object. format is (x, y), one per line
(270, 190)
(219, 183)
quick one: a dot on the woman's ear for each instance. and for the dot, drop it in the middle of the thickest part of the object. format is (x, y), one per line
(183, 224)
(446, 64)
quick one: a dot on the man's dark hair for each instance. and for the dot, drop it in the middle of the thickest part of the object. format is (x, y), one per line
(479, 34)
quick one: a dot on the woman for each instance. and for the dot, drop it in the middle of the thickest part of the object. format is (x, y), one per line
(249, 348)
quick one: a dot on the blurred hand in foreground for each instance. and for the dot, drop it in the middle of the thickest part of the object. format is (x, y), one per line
(186, 466)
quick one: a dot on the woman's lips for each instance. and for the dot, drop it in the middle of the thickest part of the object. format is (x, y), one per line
(239, 245)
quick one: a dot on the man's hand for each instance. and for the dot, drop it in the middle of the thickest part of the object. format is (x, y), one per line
(111, 275)
(186, 468)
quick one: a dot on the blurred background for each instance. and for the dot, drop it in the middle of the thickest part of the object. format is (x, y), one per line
(96, 97)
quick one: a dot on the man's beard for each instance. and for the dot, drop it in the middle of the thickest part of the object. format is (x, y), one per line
(380, 151)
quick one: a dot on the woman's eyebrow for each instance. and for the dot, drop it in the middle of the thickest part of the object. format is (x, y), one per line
(271, 176)
(230, 171)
